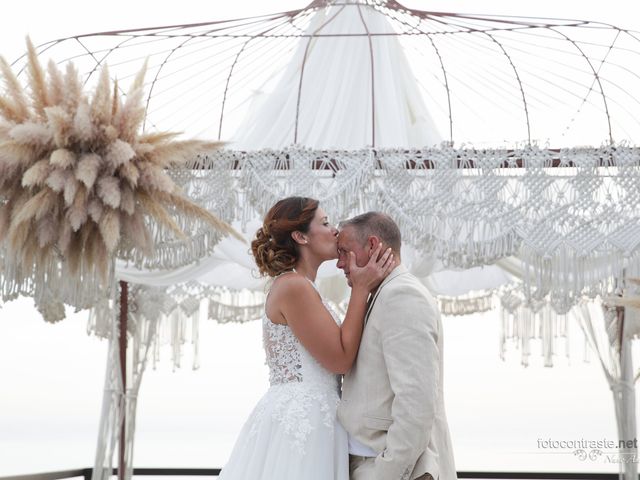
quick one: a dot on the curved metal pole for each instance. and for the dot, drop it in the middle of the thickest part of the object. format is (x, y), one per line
(440, 59)
(233, 65)
(304, 62)
(515, 71)
(373, 89)
(155, 79)
(226, 87)
(446, 86)
(164, 62)
(99, 62)
(596, 78)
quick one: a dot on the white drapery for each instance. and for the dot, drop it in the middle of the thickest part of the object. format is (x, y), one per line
(345, 90)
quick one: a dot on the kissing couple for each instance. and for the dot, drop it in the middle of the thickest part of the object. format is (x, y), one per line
(389, 421)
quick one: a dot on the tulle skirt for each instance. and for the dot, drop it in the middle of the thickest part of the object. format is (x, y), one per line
(292, 434)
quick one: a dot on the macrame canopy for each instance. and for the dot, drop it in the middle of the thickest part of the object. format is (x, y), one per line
(336, 99)
(469, 129)
(437, 118)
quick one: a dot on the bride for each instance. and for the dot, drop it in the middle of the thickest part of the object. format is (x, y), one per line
(293, 432)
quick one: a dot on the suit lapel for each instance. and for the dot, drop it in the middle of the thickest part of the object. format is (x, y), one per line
(399, 270)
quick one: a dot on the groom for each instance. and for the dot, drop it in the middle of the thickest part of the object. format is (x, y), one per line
(392, 403)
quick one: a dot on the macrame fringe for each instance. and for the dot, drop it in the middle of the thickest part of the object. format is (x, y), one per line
(522, 323)
(52, 286)
(466, 304)
(173, 316)
(575, 226)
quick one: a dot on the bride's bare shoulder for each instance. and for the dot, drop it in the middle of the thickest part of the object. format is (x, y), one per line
(289, 283)
(287, 290)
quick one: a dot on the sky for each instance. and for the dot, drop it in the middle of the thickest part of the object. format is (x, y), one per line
(51, 376)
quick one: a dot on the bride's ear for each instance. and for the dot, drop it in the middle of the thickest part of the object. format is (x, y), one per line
(299, 237)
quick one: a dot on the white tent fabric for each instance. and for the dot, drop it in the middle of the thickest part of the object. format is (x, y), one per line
(329, 86)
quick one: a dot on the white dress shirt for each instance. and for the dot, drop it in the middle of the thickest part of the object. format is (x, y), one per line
(357, 448)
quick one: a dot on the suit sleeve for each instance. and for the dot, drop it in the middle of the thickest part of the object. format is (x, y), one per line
(409, 336)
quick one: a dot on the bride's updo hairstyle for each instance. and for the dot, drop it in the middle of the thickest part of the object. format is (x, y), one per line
(273, 248)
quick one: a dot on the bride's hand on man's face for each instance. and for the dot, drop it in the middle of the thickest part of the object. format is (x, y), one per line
(377, 268)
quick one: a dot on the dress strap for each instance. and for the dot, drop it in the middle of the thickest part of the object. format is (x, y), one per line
(293, 270)
(270, 282)
(310, 281)
(285, 272)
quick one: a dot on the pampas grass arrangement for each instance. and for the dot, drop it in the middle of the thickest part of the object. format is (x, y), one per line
(78, 181)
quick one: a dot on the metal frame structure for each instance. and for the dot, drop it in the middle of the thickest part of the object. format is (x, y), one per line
(224, 60)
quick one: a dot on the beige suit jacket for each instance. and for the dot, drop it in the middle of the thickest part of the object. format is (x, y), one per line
(392, 397)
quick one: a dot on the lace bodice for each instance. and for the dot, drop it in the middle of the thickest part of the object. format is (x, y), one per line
(303, 396)
(288, 360)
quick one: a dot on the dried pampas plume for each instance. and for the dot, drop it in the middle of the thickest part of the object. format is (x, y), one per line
(77, 178)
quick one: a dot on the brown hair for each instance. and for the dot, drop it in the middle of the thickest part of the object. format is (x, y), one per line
(274, 249)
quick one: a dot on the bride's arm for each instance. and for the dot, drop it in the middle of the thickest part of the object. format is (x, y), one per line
(334, 347)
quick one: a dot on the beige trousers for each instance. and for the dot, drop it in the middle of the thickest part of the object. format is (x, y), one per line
(361, 468)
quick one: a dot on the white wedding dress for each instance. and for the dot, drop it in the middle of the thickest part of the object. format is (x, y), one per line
(292, 433)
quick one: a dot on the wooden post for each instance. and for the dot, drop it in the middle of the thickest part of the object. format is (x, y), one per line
(124, 300)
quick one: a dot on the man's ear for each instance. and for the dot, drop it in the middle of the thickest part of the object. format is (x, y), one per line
(298, 237)
(372, 243)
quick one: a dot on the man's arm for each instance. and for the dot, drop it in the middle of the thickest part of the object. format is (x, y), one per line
(409, 333)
